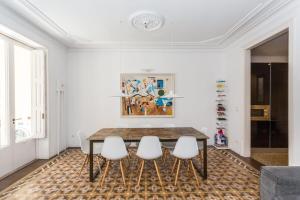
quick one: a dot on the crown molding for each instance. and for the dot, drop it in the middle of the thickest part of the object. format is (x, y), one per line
(260, 14)
(41, 20)
(35, 16)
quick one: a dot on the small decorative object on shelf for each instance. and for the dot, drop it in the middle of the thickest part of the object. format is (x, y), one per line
(221, 140)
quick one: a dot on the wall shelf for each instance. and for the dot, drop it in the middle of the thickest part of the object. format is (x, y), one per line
(221, 139)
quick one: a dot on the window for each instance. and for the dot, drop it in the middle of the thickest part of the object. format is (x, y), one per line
(22, 92)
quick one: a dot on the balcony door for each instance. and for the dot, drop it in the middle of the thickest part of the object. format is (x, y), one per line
(22, 103)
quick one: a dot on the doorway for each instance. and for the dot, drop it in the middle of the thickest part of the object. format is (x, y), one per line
(269, 101)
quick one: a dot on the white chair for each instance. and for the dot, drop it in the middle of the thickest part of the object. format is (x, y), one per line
(114, 149)
(149, 149)
(186, 148)
(85, 148)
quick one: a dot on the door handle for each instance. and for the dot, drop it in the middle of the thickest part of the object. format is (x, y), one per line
(16, 119)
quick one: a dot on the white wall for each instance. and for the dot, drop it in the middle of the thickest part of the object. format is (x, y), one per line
(45, 148)
(238, 74)
(94, 75)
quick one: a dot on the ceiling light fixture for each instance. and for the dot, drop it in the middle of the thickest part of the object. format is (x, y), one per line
(146, 20)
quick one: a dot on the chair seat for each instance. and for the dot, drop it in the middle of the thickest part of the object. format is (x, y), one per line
(149, 148)
(148, 156)
(97, 148)
(183, 156)
(114, 148)
(186, 148)
(115, 156)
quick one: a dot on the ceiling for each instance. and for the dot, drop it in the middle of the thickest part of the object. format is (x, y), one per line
(81, 23)
(278, 46)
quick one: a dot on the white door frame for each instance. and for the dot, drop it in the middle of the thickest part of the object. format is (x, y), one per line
(246, 148)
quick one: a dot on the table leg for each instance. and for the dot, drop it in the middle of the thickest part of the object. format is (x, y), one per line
(91, 161)
(205, 159)
(202, 169)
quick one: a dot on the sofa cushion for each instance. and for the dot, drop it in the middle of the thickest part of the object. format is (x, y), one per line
(280, 181)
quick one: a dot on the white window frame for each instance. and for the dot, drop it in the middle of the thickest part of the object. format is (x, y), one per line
(42, 131)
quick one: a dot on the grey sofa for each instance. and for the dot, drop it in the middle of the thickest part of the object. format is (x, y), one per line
(280, 183)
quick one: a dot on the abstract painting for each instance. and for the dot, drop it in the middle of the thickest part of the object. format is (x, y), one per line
(147, 95)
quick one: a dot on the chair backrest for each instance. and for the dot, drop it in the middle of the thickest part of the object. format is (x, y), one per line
(149, 147)
(114, 148)
(82, 140)
(186, 147)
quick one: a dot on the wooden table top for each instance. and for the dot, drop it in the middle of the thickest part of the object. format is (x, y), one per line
(135, 134)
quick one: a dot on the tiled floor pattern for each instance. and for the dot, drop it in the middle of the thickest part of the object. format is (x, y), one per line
(229, 178)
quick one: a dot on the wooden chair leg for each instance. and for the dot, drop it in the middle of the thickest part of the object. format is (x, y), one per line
(178, 168)
(122, 172)
(104, 162)
(165, 154)
(194, 171)
(127, 148)
(104, 174)
(141, 172)
(126, 164)
(174, 165)
(98, 162)
(84, 163)
(128, 160)
(158, 174)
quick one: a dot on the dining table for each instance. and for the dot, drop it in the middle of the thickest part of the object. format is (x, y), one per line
(135, 134)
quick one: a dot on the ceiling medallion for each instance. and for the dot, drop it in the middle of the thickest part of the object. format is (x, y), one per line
(146, 21)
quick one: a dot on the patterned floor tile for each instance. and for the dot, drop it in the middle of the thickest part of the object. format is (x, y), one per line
(136, 196)
(229, 179)
(151, 196)
(248, 196)
(193, 196)
(229, 196)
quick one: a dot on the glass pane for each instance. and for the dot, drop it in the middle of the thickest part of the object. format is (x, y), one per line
(260, 89)
(279, 105)
(4, 131)
(22, 79)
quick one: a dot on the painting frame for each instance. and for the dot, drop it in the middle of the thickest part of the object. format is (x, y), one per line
(171, 77)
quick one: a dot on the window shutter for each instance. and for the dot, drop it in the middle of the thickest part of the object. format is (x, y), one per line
(38, 94)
